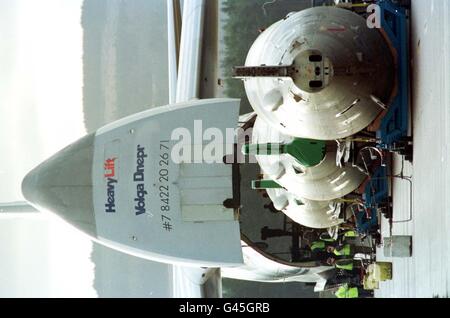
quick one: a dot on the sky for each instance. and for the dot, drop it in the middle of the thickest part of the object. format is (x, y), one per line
(40, 113)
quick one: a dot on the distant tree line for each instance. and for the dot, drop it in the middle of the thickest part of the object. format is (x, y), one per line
(93, 19)
(136, 38)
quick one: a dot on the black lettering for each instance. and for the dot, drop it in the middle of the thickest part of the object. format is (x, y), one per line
(110, 194)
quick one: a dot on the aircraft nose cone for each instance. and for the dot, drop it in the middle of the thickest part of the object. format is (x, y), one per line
(29, 185)
(63, 185)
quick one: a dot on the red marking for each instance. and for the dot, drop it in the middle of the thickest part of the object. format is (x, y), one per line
(337, 29)
(110, 168)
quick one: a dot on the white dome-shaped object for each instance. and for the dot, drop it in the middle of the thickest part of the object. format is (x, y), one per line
(341, 73)
(313, 214)
(323, 182)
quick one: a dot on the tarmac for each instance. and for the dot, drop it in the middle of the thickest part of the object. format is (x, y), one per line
(427, 273)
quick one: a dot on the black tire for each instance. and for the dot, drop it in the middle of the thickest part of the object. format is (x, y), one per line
(409, 153)
(407, 139)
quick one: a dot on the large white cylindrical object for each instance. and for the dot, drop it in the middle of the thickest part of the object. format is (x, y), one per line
(323, 182)
(312, 214)
(343, 74)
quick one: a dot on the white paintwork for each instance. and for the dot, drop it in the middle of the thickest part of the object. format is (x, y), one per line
(260, 268)
(313, 214)
(189, 69)
(204, 242)
(323, 182)
(172, 52)
(17, 207)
